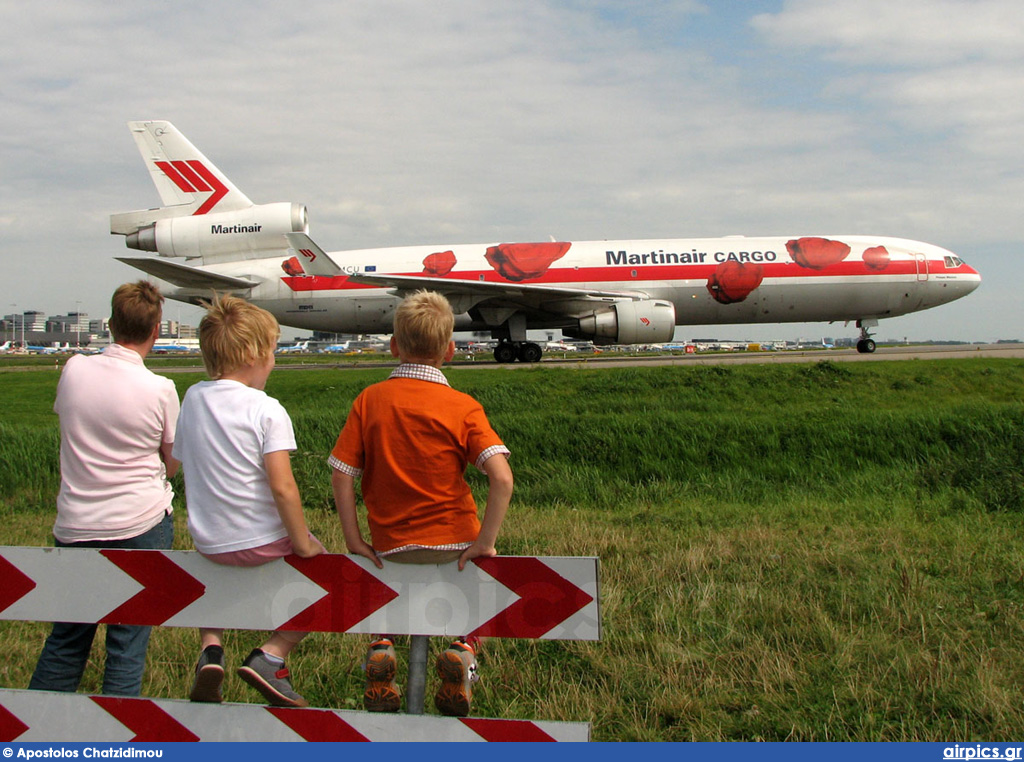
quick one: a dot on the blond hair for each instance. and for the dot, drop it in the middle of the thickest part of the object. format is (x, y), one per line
(424, 323)
(234, 333)
(135, 310)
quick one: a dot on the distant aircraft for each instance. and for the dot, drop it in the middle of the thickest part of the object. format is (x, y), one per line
(5, 347)
(163, 349)
(53, 349)
(335, 348)
(302, 346)
(610, 292)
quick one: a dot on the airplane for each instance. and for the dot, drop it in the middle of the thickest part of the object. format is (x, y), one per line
(335, 348)
(163, 349)
(559, 346)
(302, 346)
(608, 292)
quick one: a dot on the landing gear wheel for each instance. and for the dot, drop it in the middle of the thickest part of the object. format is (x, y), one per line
(505, 352)
(529, 352)
(866, 346)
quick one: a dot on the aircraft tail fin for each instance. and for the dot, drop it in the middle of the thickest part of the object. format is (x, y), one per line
(188, 182)
(204, 215)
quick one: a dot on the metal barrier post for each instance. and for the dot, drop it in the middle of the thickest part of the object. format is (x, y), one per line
(416, 688)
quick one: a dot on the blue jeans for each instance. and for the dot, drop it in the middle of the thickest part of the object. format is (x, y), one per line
(66, 651)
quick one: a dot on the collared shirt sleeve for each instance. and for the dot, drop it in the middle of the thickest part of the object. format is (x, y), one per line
(489, 453)
(345, 468)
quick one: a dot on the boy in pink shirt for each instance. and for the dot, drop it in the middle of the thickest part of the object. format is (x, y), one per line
(117, 422)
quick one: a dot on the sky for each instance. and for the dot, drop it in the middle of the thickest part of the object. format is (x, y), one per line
(401, 122)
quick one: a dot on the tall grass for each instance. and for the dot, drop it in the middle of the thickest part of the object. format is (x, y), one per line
(812, 552)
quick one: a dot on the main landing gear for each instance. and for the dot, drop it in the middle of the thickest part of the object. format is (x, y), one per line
(866, 345)
(524, 351)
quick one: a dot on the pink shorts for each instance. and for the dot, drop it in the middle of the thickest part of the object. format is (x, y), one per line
(258, 556)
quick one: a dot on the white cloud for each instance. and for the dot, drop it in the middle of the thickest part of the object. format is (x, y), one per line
(910, 32)
(403, 122)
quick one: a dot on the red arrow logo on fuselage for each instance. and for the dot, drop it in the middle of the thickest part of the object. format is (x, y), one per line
(167, 588)
(193, 177)
(149, 722)
(546, 598)
(352, 594)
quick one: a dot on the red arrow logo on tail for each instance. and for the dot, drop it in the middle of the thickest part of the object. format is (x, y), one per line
(144, 718)
(167, 588)
(193, 177)
(352, 594)
(320, 725)
(509, 731)
(308, 254)
(10, 726)
(15, 584)
(546, 598)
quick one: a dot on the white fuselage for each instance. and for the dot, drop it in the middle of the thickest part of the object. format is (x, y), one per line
(709, 281)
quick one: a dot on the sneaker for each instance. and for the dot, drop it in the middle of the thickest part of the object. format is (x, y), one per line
(269, 679)
(457, 669)
(209, 676)
(382, 694)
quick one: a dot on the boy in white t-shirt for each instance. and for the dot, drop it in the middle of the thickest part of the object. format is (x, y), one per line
(244, 508)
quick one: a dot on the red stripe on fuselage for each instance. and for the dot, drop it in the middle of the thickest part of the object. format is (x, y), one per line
(622, 275)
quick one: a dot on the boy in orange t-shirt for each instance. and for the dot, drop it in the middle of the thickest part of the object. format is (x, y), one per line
(409, 440)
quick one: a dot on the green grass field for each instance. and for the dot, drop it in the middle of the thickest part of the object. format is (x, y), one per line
(824, 551)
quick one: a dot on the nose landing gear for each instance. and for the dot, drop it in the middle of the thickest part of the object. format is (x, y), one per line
(866, 345)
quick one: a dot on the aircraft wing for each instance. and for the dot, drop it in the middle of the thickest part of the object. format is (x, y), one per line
(533, 294)
(185, 276)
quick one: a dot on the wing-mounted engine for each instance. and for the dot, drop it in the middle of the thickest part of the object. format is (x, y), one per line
(250, 233)
(644, 321)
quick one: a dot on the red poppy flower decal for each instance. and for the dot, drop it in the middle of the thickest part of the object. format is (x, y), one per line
(876, 258)
(439, 263)
(817, 253)
(733, 281)
(292, 267)
(522, 261)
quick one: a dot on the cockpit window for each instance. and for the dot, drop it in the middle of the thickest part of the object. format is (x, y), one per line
(953, 261)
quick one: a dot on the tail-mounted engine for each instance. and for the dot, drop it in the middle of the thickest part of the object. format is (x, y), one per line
(647, 321)
(249, 233)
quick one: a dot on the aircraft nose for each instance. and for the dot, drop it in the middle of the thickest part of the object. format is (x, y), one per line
(975, 273)
(971, 278)
(965, 279)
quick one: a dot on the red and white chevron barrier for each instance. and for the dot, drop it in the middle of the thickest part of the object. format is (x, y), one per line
(27, 716)
(507, 596)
